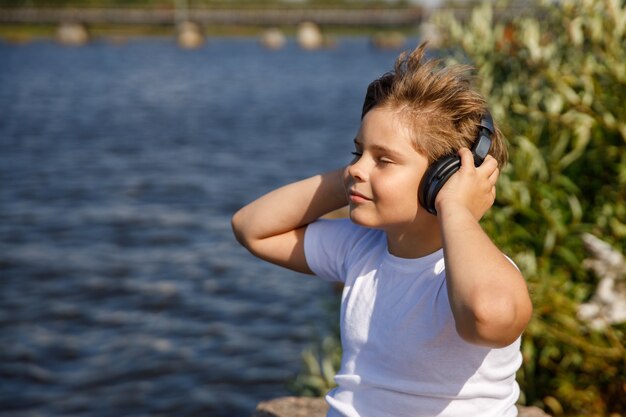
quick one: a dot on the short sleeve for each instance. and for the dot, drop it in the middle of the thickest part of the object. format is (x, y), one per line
(327, 247)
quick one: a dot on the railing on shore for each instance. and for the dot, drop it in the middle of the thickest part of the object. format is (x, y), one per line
(258, 17)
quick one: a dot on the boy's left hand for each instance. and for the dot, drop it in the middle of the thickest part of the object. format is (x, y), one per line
(471, 188)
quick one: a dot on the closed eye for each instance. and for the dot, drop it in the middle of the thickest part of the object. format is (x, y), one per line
(358, 147)
(384, 160)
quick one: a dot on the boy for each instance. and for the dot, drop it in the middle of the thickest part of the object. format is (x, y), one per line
(432, 311)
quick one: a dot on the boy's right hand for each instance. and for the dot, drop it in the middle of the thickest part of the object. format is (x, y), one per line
(470, 189)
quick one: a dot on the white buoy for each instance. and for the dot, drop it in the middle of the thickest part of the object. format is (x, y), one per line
(273, 39)
(189, 35)
(310, 36)
(72, 34)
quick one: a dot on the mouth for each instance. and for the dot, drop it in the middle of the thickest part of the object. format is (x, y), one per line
(357, 197)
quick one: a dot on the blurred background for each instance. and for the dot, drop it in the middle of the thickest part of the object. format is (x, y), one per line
(131, 131)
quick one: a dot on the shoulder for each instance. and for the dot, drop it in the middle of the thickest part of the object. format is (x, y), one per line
(332, 246)
(340, 231)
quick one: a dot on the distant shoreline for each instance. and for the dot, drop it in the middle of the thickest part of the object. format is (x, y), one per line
(24, 33)
(25, 23)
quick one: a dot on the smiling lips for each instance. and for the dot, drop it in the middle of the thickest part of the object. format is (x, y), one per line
(357, 197)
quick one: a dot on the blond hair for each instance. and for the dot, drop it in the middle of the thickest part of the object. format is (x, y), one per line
(437, 104)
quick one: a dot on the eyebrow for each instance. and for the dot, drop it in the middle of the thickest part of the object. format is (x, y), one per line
(380, 148)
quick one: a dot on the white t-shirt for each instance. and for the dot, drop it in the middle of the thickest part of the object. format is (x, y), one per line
(402, 356)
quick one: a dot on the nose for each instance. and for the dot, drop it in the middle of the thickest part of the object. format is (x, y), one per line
(357, 170)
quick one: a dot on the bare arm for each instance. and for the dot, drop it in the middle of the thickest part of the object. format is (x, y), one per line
(488, 294)
(273, 226)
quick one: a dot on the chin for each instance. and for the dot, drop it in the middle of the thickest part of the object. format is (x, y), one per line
(362, 220)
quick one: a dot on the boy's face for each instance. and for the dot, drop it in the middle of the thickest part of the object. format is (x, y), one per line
(383, 179)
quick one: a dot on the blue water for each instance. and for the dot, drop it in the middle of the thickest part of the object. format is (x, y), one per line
(122, 290)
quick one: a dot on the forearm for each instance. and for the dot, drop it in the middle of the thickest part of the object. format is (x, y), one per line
(290, 207)
(487, 293)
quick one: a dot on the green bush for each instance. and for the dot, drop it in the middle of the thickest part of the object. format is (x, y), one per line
(556, 82)
(320, 364)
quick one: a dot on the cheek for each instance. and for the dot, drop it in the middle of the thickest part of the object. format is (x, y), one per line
(401, 192)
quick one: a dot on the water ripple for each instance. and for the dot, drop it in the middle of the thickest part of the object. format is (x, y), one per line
(122, 290)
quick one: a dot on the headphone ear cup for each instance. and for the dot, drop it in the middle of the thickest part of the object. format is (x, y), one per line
(434, 178)
(425, 185)
(441, 170)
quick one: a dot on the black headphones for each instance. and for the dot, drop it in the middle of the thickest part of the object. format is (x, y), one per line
(442, 169)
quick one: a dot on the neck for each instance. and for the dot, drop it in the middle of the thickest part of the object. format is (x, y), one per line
(415, 242)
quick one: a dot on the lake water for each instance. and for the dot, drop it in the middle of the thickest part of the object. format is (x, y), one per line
(122, 290)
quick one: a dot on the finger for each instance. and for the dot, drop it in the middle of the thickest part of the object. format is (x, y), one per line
(489, 165)
(467, 159)
(493, 177)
